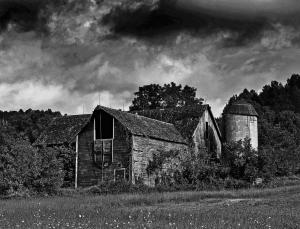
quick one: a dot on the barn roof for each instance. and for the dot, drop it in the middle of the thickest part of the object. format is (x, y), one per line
(241, 107)
(63, 130)
(171, 115)
(143, 126)
(185, 119)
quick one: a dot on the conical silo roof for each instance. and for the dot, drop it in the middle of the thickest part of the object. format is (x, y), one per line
(241, 107)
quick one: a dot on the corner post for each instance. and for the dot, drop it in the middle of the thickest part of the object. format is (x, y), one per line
(76, 164)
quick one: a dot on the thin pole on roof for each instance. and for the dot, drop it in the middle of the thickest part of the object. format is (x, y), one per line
(99, 95)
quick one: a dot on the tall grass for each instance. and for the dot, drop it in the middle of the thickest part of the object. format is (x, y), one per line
(254, 208)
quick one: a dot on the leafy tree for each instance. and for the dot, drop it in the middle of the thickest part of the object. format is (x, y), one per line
(28, 124)
(23, 167)
(148, 97)
(242, 160)
(293, 87)
(170, 95)
(276, 96)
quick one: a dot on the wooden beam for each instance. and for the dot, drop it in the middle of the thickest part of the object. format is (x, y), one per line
(76, 164)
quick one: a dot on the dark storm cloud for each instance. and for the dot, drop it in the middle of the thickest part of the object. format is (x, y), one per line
(244, 9)
(74, 49)
(158, 18)
(168, 18)
(21, 13)
(245, 21)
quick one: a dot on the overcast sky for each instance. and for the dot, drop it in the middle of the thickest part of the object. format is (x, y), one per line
(65, 55)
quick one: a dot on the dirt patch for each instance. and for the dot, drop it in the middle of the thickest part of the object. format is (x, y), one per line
(199, 205)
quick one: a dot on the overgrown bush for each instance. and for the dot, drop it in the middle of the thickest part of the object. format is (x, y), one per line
(25, 169)
(50, 173)
(67, 156)
(244, 162)
(239, 167)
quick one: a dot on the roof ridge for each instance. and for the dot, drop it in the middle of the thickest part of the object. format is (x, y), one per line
(75, 115)
(173, 108)
(140, 116)
(156, 120)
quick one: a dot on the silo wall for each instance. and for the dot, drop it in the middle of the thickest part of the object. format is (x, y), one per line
(238, 127)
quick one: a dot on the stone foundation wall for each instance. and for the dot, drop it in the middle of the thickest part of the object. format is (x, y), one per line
(142, 151)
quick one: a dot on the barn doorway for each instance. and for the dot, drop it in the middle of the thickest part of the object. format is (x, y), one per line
(103, 141)
(104, 126)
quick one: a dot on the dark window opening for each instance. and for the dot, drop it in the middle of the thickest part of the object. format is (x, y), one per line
(104, 126)
(210, 141)
(119, 174)
(97, 127)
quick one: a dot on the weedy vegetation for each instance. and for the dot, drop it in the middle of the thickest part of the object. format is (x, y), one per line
(252, 208)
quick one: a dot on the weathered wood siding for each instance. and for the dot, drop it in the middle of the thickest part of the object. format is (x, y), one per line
(90, 174)
(199, 134)
(142, 151)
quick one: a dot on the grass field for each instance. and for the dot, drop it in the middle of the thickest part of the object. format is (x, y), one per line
(268, 208)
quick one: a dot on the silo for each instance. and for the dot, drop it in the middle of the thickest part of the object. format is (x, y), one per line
(241, 122)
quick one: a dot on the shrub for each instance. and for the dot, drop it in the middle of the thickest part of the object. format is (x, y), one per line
(24, 168)
(67, 156)
(50, 174)
(242, 160)
(231, 183)
(167, 167)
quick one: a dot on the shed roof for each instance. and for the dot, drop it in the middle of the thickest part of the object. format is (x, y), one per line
(63, 130)
(143, 126)
(241, 107)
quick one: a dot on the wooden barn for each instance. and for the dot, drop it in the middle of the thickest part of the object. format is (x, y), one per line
(112, 144)
(195, 123)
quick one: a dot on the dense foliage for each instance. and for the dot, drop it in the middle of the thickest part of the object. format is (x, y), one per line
(278, 107)
(239, 167)
(25, 169)
(167, 96)
(27, 124)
